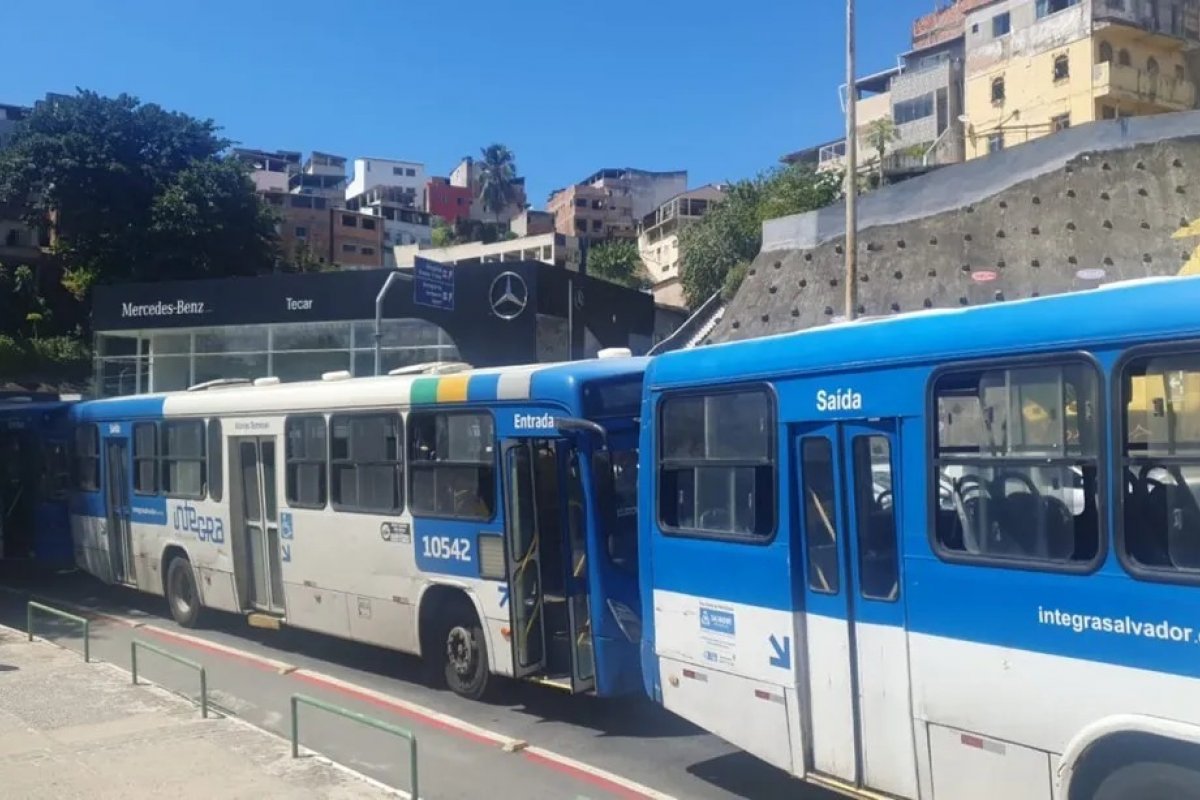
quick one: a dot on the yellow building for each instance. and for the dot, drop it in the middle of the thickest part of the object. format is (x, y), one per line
(1035, 67)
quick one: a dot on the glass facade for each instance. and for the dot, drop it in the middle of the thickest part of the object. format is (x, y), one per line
(131, 362)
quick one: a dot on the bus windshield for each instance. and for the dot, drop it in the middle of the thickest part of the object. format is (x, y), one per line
(616, 475)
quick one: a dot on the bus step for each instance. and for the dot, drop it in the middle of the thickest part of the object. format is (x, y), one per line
(557, 682)
(267, 621)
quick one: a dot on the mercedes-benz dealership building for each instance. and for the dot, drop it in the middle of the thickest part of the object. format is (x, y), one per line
(296, 326)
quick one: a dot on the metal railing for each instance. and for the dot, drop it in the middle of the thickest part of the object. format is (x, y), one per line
(31, 606)
(377, 724)
(133, 648)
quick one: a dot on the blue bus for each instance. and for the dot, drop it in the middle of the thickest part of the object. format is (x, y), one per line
(484, 519)
(34, 477)
(949, 554)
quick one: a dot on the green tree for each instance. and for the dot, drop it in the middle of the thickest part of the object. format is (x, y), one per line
(132, 191)
(716, 250)
(618, 261)
(880, 135)
(497, 171)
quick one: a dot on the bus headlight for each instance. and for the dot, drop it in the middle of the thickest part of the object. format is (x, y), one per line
(629, 622)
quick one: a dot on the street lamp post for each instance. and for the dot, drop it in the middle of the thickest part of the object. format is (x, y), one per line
(851, 169)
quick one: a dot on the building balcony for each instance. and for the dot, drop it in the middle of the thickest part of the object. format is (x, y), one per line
(1139, 86)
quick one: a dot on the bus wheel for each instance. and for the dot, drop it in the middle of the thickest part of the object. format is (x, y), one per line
(1150, 781)
(182, 595)
(466, 667)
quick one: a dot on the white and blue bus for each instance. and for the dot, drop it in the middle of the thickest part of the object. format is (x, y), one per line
(485, 519)
(943, 555)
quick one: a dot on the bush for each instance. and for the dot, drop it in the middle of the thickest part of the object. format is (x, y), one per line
(52, 358)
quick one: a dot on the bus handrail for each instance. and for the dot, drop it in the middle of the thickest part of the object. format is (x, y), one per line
(32, 606)
(371, 722)
(136, 643)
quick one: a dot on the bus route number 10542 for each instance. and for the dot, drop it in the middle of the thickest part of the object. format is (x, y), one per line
(446, 548)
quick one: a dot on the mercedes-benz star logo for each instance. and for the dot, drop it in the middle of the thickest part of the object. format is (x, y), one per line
(509, 295)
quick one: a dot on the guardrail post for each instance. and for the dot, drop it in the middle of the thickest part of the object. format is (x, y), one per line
(86, 624)
(378, 724)
(133, 648)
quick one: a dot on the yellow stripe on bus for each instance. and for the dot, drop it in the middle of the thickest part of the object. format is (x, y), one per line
(452, 389)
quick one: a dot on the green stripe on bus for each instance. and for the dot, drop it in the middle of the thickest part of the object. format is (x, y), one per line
(424, 390)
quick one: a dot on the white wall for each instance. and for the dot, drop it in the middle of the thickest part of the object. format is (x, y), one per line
(372, 172)
(265, 181)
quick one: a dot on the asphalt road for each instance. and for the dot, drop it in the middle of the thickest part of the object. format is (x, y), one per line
(631, 738)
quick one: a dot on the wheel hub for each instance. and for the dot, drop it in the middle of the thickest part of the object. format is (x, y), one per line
(460, 650)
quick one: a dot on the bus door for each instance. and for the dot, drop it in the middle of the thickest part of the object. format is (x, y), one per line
(255, 514)
(847, 496)
(118, 481)
(543, 503)
(18, 491)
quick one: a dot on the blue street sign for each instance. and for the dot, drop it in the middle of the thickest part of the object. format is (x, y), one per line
(433, 284)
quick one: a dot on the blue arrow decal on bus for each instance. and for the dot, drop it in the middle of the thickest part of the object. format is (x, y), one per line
(503, 595)
(783, 652)
(287, 550)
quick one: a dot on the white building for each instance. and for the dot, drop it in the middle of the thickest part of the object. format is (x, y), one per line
(409, 176)
(658, 239)
(550, 248)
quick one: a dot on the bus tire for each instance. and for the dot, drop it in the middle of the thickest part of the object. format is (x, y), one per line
(182, 595)
(462, 654)
(1150, 780)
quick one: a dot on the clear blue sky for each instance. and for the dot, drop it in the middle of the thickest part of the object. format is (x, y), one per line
(721, 89)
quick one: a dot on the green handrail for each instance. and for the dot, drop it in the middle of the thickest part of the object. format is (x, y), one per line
(135, 644)
(31, 606)
(377, 724)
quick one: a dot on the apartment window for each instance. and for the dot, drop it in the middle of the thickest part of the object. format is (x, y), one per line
(1180, 73)
(1152, 65)
(995, 142)
(597, 225)
(1047, 7)
(581, 225)
(1062, 67)
(452, 464)
(1001, 24)
(716, 464)
(349, 221)
(458, 201)
(1123, 58)
(1016, 473)
(998, 89)
(305, 454)
(349, 248)
(366, 463)
(87, 458)
(368, 251)
(145, 458)
(910, 110)
(1108, 112)
(410, 172)
(1060, 123)
(368, 224)
(183, 458)
(301, 232)
(580, 202)
(1106, 53)
(597, 204)
(397, 170)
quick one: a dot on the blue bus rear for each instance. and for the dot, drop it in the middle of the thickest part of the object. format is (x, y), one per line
(34, 479)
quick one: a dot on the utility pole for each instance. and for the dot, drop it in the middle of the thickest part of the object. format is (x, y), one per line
(851, 169)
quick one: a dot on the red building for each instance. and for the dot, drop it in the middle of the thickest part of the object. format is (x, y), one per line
(451, 203)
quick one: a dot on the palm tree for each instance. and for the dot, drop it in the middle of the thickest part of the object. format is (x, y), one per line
(881, 133)
(497, 171)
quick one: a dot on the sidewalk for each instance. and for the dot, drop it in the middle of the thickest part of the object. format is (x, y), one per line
(75, 730)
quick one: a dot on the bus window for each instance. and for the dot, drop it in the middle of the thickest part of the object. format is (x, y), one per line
(145, 458)
(875, 513)
(305, 454)
(820, 514)
(1016, 463)
(56, 469)
(452, 464)
(366, 463)
(87, 458)
(717, 464)
(215, 450)
(1161, 448)
(183, 459)
(616, 476)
